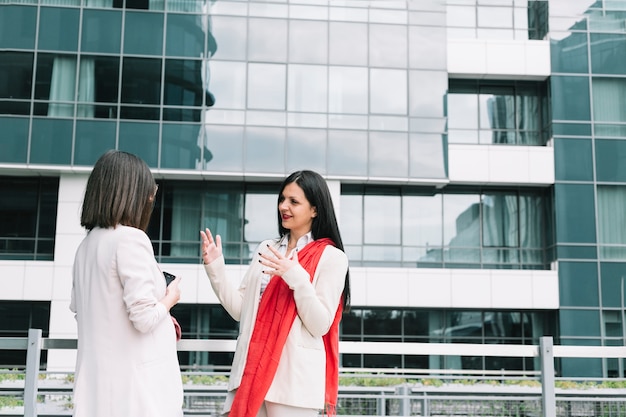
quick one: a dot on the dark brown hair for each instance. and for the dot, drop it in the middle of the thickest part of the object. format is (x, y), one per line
(120, 190)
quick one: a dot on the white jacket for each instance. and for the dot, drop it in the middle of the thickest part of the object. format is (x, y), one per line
(127, 363)
(300, 377)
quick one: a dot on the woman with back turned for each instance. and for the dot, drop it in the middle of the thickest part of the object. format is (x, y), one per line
(127, 364)
(289, 305)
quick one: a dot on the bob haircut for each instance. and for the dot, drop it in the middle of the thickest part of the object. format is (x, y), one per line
(325, 222)
(120, 190)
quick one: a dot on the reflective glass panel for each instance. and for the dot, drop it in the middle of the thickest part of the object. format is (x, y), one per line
(267, 85)
(573, 159)
(51, 142)
(267, 40)
(613, 284)
(610, 165)
(568, 52)
(306, 149)
(269, 142)
(58, 29)
(461, 220)
(579, 322)
(500, 220)
(608, 53)
(17, 27)
(16, 73)
(143, 33)
(388, 46)
(388, 154)
(351, 219)
(348, 43)
(141, 80)
(348, 90)
(93, 138)
(183, 82)
(383, 216)
(388, 91)
(427, 47)
(14, 142)
(347, 152)
(609, 99)
(185, 36)
(141, 139)
(179, 148)
(570, 98)
(578, 284)
(224, 148)
(307, 88)
(308, 41)
(101, 31)
(228, 84)
(575, 225)
(426, 156)
(427, 92)
(421, 221)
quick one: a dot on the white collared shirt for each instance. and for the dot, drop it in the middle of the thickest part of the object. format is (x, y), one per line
(282, 248)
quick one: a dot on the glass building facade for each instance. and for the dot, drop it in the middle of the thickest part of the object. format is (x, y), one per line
(468, 180)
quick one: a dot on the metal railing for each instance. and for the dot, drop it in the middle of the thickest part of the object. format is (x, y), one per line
(400, 399)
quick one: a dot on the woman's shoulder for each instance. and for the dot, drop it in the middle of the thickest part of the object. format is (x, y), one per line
(130, 232)
(334, 253)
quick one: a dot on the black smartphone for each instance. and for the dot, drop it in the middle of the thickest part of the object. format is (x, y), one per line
(168, 277)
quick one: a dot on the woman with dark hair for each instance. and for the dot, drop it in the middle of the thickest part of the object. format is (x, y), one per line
(289, 305)
(127, 363)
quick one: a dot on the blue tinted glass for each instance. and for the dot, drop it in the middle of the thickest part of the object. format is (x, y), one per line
(224, 148)
(183, 83)
(93, 138)
(143, 33)
(185, 36)
(571, 129)
(608, 53)
(141, 139)
(580, 322)
(14, 141)
(572, 159)
(570, 98)
(577, 252)
(269, 142)
(101, 31)
(17, 27)
(578, 284)
(575, 213)
(610, 164)
(51, 142)
(613, 283)
(570, 53)
(58, 29)
(180, 146)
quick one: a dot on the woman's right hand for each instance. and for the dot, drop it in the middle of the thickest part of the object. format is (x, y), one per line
(211, 249)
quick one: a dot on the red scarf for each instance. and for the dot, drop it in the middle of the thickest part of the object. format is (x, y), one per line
(275, 317)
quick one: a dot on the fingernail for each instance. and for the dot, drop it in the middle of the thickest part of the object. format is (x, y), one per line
(259, 261)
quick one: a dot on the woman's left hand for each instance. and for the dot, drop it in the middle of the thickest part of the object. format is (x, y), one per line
(276, 263)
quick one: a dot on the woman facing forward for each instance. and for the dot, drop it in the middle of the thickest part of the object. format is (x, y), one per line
(289, 305)
(127, 363)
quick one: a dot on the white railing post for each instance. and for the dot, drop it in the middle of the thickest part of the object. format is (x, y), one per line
(548, 397)
(33, 355)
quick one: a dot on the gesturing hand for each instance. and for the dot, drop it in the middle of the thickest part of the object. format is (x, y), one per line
(276, 263)
(211, 249)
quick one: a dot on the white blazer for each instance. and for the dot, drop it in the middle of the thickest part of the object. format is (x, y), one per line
(127, 363)
(300, 377)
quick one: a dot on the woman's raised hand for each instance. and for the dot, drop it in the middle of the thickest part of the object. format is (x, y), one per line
(211, 249)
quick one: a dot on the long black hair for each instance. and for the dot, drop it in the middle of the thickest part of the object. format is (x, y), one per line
(325, 222)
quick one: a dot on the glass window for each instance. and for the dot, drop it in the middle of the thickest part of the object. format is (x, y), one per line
(143, 33)
(570, 98)
(428, 48)
(388, 154)
(141, 139)
(422, 224)
(383, 216)
(579, 322)
(16, 73)
(183, 82)
(461, 220)
(56, 82)
(613, 284)
(348, 90)
(382, 325)
(578, 284)
(101, 31)
(224, 148)
(348, 43)
(575, 225)
(388, 46)
(426, 156)
(500, 214)
(427, 91)
(17, 28)
(31, 204)
(341, 162)
(573, 159)
(308, 41)
(307, 88)
(179, 148)
(185, 36)
(269, 142)
(612, 221)
(228, 85)
(232, 34)
(610, 155)
(58, 29)
(608, 53)
(20, 316)
(306, 149)
(267, 40)
(388, 91)
(495, 17)
(51, 142)
(93, 138)
(14, 143)
(568, 53)
(141, 80)
(267, 85)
